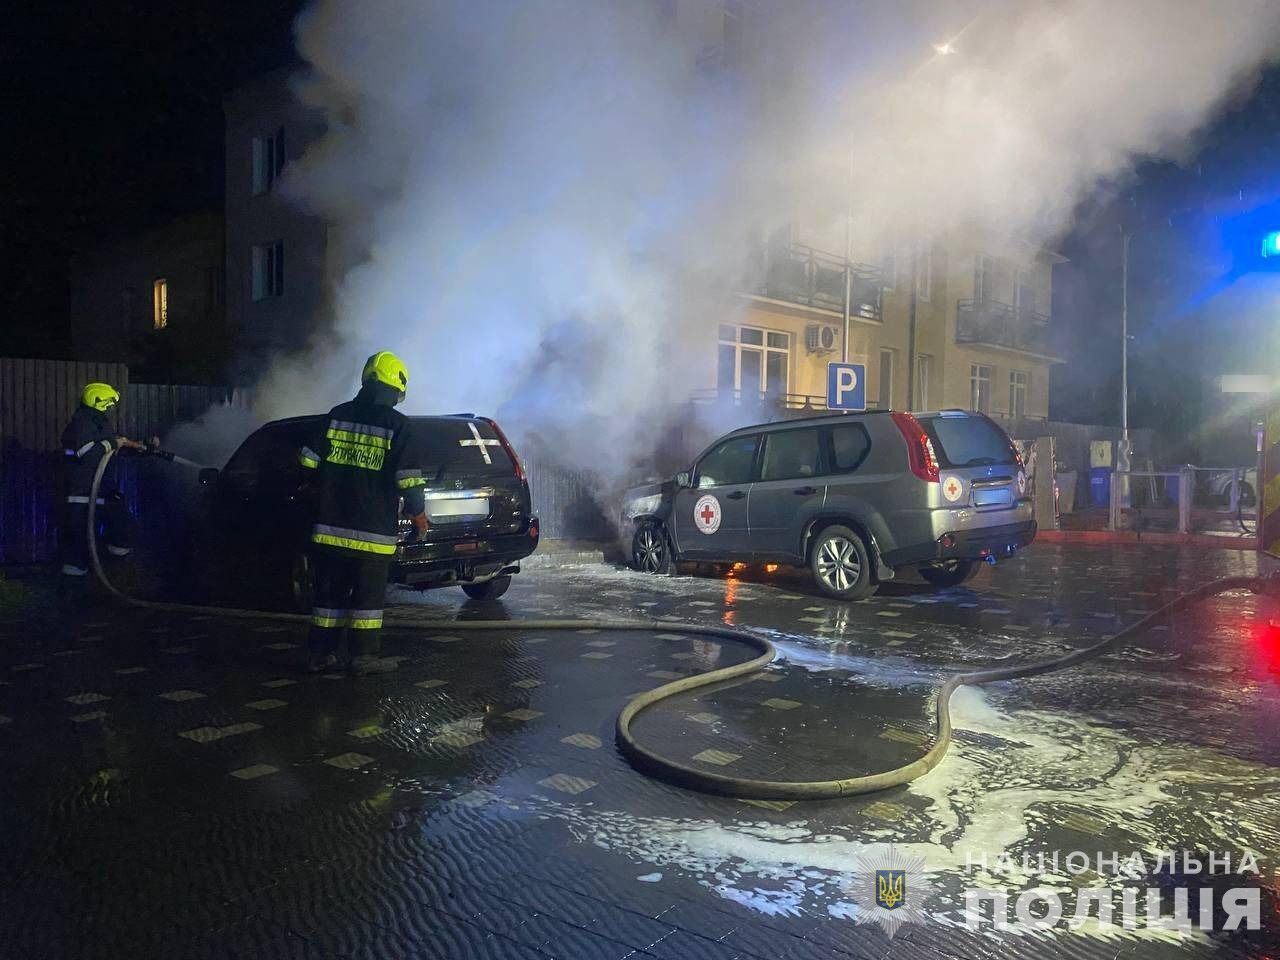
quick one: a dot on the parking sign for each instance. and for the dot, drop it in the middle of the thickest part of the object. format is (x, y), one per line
(846, 386)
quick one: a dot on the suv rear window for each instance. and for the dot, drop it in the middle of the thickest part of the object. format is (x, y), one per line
(439, 446)
(964, 441)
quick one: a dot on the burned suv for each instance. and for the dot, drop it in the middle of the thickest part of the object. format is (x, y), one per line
(854, 497)
(259, 509)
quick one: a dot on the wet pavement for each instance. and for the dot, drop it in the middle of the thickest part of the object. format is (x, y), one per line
(174, 789)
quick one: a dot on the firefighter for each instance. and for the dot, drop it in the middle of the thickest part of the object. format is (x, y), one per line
(356, 452)
(86, 439)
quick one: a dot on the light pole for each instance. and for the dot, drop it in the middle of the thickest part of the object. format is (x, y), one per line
(1122, 459)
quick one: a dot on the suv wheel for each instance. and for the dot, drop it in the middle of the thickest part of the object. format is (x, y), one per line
(840, 565)
(651, 548)
(949, 573)
(489, 590)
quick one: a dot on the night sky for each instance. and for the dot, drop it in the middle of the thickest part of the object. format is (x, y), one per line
(114, 123)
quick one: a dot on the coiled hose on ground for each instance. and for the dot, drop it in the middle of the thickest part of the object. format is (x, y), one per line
(672, 771)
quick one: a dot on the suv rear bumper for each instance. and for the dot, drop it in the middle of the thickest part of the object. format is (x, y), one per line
(462, 561)
(973, 544)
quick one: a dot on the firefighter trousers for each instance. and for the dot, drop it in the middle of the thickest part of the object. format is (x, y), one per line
(350, 591)
(114, 534)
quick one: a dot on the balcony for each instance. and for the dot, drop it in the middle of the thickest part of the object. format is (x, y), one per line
(795, 273)
(996, 324)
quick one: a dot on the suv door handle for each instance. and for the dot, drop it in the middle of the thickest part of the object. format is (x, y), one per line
(804, 491)
(736, 495)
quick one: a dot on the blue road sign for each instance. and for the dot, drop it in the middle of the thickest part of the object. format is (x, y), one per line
(846, 386)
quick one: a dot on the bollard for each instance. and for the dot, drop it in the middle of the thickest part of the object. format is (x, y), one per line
(1186, 482)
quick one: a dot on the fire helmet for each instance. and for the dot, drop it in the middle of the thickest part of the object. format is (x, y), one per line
(100, 396)
(385, 367)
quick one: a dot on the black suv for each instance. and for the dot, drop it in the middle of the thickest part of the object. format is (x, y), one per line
(852, 496)
(259, 509)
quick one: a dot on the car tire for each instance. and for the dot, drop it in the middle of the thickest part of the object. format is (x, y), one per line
(950, 573)
(651, 548)
(489, 590)
(840, 566)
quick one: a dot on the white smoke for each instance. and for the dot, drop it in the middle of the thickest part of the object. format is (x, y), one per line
(547, 207)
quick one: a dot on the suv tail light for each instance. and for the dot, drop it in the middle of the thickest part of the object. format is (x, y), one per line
(506, 445)
(924, 463)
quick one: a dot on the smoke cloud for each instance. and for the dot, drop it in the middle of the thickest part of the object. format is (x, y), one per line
(546, 207)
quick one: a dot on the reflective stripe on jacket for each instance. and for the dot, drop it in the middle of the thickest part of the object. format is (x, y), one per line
(356, 452)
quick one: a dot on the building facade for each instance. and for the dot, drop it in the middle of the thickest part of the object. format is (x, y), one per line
(155, 301)
(275, 253)
(981, 337)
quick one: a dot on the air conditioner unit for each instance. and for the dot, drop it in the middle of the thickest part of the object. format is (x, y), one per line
(820, 339)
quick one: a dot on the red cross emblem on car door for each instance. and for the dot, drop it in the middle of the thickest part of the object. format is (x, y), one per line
(706, 514)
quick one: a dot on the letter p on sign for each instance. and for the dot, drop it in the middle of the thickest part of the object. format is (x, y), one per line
(846, 386)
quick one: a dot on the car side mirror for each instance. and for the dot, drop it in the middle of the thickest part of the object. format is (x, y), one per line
(684, 479)
(208, 477)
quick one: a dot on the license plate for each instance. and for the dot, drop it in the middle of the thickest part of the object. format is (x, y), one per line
(462, 507)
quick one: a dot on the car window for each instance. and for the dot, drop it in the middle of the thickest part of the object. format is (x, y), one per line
(968, 441)
(849, 447)
(790, 455)
(443, 447)
(730, 462)
(271, 452)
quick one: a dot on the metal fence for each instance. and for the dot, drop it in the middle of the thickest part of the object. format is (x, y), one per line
(1186, 499)
(37, 398)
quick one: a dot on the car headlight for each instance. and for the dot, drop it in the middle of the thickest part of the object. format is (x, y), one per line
(641, 506)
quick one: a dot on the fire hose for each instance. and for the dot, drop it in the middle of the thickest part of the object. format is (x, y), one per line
(653, 764)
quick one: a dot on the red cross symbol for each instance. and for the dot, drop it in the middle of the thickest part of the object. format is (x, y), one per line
(953, 488)
(708, 514)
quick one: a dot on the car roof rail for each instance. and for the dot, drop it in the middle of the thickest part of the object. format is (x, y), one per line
(791, 421)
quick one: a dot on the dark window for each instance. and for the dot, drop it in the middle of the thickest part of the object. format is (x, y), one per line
(968, 441)
(268, 270)
(726, 375)
(445, 449)
(730, 462)
(272, 452)
(790, 454)
(849, 447)
(268, 160)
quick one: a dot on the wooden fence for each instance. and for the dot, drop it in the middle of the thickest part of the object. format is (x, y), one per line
(37, 398)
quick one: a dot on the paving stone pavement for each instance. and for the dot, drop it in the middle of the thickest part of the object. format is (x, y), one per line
(174, 788)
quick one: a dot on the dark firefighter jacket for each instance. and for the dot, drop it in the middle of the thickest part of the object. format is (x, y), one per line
(357, 451)
(88, 436)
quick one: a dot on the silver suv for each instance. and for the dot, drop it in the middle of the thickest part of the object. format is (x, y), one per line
(853, 497)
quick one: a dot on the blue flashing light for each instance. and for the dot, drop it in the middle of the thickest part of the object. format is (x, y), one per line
(1271, 244)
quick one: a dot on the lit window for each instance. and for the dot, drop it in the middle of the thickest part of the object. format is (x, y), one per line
(924, 366)
(753, 361)
(1018, 380)
(980, 387)
(160, 304)
(268, 161)
(268, 270)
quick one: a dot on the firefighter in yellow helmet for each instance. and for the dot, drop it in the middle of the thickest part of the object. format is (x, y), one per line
(357, 452)
(86, 439)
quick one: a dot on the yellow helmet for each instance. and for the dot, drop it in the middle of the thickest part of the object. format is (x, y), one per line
(100, 396)
(385, 367)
